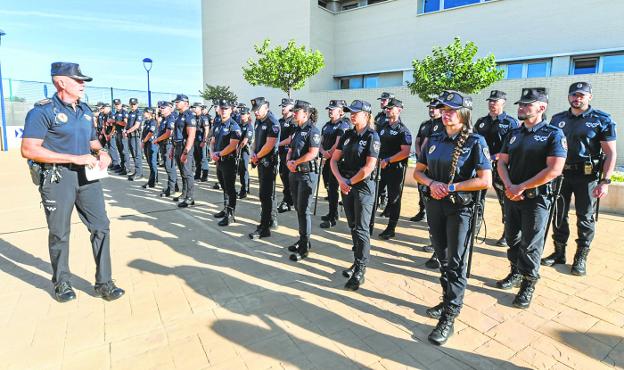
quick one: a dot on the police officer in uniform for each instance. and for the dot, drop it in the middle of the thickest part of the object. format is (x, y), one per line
(287, 128)
(224, 145)
(247, 131)
(453, 166)
(206, 120)
(265, 157)
(99, 126)
(183, 140)
(133, 132)
(381, 119)
(121, 140)
(164, 140)
(590, 134)
(494, 127)
(530, 158)
(396, 141)
(353, 163)
(214, 128)
(148, 135)
(330, 135)
(59, 136)
(108, 133)
(200, 150)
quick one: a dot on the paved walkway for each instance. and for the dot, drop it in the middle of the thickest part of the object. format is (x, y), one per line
(199, 296)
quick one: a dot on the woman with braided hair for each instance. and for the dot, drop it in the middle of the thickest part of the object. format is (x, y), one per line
(454, 165)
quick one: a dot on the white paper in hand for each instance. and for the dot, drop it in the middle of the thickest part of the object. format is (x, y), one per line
(95, 173)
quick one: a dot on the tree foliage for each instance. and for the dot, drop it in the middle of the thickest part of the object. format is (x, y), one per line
(285, 68)
(453, 67)
(218, 92)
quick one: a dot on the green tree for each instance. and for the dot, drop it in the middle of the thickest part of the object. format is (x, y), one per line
(285, 68)
(453, 67)
(218, 92)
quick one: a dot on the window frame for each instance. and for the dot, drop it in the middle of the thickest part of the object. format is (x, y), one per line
(441, 6)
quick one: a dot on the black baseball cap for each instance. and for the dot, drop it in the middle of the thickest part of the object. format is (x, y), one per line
(336, 104)
(165, 104)
(533, 94)
(454, 100)
(149, 110)
(116, 101)
(197, 105)
(580, 87)
(181, 97)
(68, 69)
(244, 110)
(394, 102)
(386, 95)
(497, 95)
(433, 103)
(359, 106)
(133, 101)
(302, 104)
(224, 103)
(257, 103)
(287, 101)
(106, 105)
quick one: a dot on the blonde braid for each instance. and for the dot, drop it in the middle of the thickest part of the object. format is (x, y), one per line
(464, 134)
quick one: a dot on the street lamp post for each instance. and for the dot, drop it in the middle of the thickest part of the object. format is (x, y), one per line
(147, 64)
(4, 133)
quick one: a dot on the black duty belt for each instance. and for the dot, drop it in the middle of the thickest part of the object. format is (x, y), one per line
(545, 189)
(586, 168)
(71, 166)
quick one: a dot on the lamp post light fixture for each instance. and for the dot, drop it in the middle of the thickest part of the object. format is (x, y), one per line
(2, 114)
(147, 64)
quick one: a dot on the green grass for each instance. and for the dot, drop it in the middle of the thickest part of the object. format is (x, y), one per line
(617, 177)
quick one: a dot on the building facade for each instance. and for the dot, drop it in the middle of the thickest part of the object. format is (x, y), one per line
(369, 46)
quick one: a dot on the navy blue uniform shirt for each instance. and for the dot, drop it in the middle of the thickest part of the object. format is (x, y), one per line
(247, 131)
(62, 129)
(428, 128)
(437, 155)
(269, 127)
(392, 138)
(133, 117)
(149, 126)
(584, 133)
(203, 125)
(380, 121)
(529, 148)
(120, 116)
(287, 128)
(494, 130)
(167, 123)
(305, 137)
(184, 120)
(357, 148)
(331, 131)
(225, 132)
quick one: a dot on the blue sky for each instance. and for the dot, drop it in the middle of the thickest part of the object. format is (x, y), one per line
(108, 38)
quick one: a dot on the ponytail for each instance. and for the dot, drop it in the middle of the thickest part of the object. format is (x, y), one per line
(466, 117)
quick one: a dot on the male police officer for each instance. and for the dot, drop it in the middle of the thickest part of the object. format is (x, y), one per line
(200, 151)
(206, 120)
(247, 131)
(183, 140)
(287, 128)
(108, 133)
(165, 131)
(133, 131)
(60, 137)
(591, 134)
(530, 158)
(381, 120)
(265, 157)
(494, 127)
(121, 141)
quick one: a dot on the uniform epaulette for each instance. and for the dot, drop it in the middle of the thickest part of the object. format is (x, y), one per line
(600, 113)
(43, 102)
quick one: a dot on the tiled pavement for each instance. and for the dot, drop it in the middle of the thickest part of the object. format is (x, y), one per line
(199, 296)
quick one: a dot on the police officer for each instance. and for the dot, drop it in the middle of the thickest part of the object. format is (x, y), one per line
(330, 135)
(224, 145)
(381, 119)
(215, 126)
(108, 132)
(200, 150)
(530, 158)
(265, 157)
(150, 148)
(301, 162)
(99, 126)
(287, 128)
(206, 120)
(60, 137)
(133, 132)
(453, 166)
(164, 140)
(120, 116)
(591, 135)
(494, 127)
(396, 141)
(247, 131)
(183, 140)
(353, 163)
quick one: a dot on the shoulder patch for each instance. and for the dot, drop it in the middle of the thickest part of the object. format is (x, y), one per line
(43, 102)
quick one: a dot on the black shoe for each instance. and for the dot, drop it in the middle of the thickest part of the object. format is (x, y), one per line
(525, 294)
(349, 272)
(165, 193)
(175, 199)
(428, 248)
(557, 257)
(229, 217)
(204, 176)
(186, 202)
(436, 311)
(579, 266)
(131, 178)
(283, 207)
(502, 242)
(122, 172)
(357, 279)
(220, 214)
(387, 233)
(294, 247)
(274, 225)
(513, 280)
(242, 194)
(108, 291)
(328, 223)
(259, 233)
(216, 186)
(63, 292)
(298, 256)
(420, 216)
(433, 262)
(443, 330)
(327, 217)
(144, 186)
(151, 185)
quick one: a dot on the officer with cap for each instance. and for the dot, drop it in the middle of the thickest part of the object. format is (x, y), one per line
(353, 163)
(265, 157)
(453, 167)
(59, 136)
(587, 172)
(200, 150)
(133, 131)
(396, 141)
(164, 140)
(108, 133)
(381, 119)
(330, 135)
(148, 136)
(100, 124)
(530, 158)
(224, 145)
(494, 128)
(207, 121)
(120, 116)
(247, 131)
(287, 128)
(183, 140)
(214, 128)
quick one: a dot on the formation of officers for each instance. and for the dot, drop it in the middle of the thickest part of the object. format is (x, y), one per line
(534, 166)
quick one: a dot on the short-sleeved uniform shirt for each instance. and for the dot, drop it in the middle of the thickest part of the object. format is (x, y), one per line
(287, 128)
(494, 130)
(247, 131)
(392, 138)
(227, 130)
(356, 148)
(529, 148)
(269, 127)
(584, 133)
(167, 123)
(62, 128)
(203, 124)
(305, 137)
(437, 155)
(120, 116)
(133, 117)
(184, 120)
(149, 126)
(102, 123)
(331, 131)
(428, 128)
(381, 119)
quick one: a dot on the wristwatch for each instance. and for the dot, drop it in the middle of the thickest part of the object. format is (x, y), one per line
(605, 181)
(451, 188)
(348, 182)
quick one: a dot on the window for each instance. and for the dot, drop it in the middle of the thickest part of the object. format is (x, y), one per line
(431, 6)
(371, 2)
(371, 81)
(514, 71)
(428, 6)
(584, 66)
(539, 69)
(355, 82)
(347, 6)
(613, 63)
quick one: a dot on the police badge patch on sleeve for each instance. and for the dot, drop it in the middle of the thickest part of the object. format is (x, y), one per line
(432, 149)
(564, 143)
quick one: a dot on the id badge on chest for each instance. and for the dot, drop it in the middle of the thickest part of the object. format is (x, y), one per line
(587, 168)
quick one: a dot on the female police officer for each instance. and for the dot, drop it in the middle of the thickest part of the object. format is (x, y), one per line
(454, 165)
(352, 164)
(148, 135)
(301, 162)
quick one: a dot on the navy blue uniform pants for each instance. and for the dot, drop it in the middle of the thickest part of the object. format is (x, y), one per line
(58, 200)
(284, 173)
(226, 174)
(151, 154)
(170, 165)
(122, 149)
(332, 189)
(302, 186)
(358, 207)
(582, 187)
(111, 145)
(134, 144)
(186, 169)
(201, 157)
(266, 178)
(243, 170)
(392, 179)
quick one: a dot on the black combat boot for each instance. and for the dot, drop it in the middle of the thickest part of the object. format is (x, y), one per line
(433, 262)
(445, 327)
(579, 266)
(349, 272)
(437, 310)
(328, 221)
(228, 218)
(303, 249)
(512, 280)
(197, 174)
(389, 231)
(502, 242)
(357, 279)
(557, 257)
(204, 176)
(527, 287)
